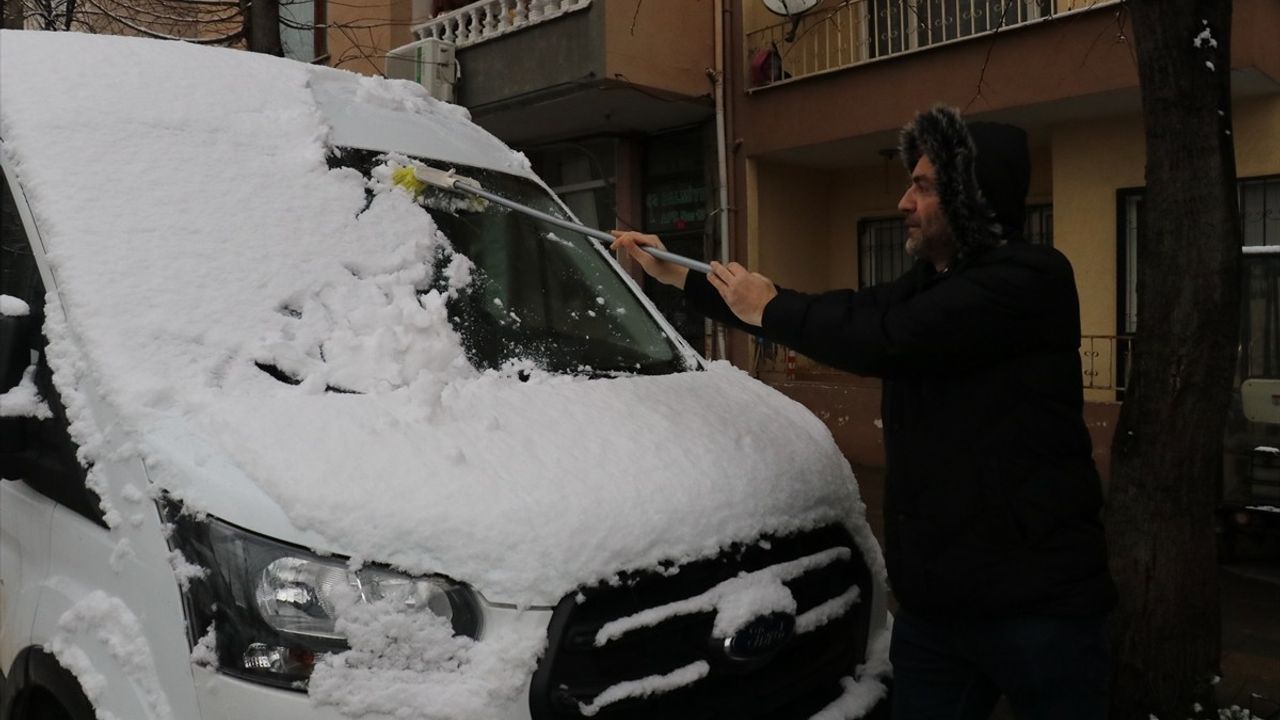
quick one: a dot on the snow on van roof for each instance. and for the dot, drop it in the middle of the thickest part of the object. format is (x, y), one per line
(184, 200)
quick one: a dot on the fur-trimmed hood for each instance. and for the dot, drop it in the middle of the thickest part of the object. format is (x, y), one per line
(983, 173)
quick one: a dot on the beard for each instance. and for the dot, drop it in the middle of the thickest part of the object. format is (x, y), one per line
(931, 246)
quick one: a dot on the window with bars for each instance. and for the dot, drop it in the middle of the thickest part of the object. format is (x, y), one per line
(882, 254)
(1260, 211)
(1259, 200)
(1038, 229)
(882, 251)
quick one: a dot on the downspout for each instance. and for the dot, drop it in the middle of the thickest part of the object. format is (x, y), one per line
(722, 15)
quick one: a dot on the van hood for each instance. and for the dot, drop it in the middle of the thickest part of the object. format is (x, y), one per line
(523, 489)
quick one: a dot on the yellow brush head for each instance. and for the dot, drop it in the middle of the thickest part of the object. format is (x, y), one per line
(405, 178)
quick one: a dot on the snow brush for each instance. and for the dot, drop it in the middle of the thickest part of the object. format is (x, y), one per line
(423, 176)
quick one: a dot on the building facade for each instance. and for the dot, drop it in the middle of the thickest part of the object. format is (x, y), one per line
(765, 131)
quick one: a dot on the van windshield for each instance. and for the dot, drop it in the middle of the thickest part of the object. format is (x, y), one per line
(538, 294)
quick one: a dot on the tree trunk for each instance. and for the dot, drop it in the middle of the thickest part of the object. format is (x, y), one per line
(263, 21)
(1167, 451)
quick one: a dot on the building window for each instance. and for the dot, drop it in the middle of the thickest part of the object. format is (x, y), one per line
(1259, 200)
(582, 174)
(304, 30)
(679, 187)
(882, 251)
(1260, 211)
(1038, 229)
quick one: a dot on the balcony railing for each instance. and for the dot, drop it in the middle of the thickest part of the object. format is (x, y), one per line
(842, 33)
(488, 19)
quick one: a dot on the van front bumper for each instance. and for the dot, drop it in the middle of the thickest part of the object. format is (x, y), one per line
(222, 697)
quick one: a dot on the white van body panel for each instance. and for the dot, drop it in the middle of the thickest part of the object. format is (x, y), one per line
(25, 517)
(127, 566)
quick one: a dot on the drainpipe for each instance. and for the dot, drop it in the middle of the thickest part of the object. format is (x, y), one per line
(721, 19)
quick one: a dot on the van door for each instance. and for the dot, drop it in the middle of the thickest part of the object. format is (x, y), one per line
(24, 513)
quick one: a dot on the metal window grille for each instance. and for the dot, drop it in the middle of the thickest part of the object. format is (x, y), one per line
(882, 254)
(1259, 200)
(1260, 211)
(1038, 229)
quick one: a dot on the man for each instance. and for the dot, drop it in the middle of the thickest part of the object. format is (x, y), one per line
(993, 541)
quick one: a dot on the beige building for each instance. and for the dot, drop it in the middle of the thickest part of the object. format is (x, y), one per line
(816, 182)
(736, 131)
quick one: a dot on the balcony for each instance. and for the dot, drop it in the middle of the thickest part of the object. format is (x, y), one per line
(839, 34)
(490, 19)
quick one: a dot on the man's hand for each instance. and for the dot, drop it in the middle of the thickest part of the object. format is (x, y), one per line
(664, 272)
(745, 292)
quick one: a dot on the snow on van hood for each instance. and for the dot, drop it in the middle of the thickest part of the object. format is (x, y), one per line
(185, 204)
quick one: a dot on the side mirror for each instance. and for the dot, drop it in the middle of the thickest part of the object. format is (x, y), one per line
(15, 453)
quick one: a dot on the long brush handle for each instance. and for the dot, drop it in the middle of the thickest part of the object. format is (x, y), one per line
(460, 185)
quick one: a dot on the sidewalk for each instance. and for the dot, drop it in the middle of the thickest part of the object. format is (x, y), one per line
(1250, 596)
(1250, 637)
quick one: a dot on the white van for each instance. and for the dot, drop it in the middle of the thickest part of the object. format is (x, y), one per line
(283, 436)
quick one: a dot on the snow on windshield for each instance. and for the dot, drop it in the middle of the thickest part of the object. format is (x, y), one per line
(197, 235)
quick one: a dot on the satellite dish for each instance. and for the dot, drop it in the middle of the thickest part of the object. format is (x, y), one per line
(790, 8)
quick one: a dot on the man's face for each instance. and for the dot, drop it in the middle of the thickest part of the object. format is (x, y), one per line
(928, 233)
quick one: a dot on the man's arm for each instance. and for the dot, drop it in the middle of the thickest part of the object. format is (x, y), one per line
(975, 317)
(706, 299)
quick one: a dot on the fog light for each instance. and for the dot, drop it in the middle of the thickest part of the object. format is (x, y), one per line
(279, 660)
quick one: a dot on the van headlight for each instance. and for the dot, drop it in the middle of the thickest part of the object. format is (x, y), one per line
(274, 606)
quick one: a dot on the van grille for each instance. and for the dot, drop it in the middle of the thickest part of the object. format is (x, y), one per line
(800, 679)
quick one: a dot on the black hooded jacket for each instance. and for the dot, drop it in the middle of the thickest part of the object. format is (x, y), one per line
(992, 498)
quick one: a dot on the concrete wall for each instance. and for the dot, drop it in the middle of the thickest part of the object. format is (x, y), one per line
(547, 57)
(363, 31)
(794, 225)
(667, 45)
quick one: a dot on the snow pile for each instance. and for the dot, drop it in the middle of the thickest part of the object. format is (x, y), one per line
(406, 96)
(370, 331)
(108, 621)
(1205, 38)
(408, 664)
(23, 399)
(11, 306)
(205, 652)
(736, 601)
(527, 490)
(646, 687)
(867, 686)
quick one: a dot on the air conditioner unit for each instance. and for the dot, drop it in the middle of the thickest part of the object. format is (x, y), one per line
(430, 62)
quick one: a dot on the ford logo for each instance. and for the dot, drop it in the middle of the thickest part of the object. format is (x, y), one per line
(761, 638)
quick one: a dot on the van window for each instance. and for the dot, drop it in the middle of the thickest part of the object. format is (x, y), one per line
(38, 451)
(539, 293)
